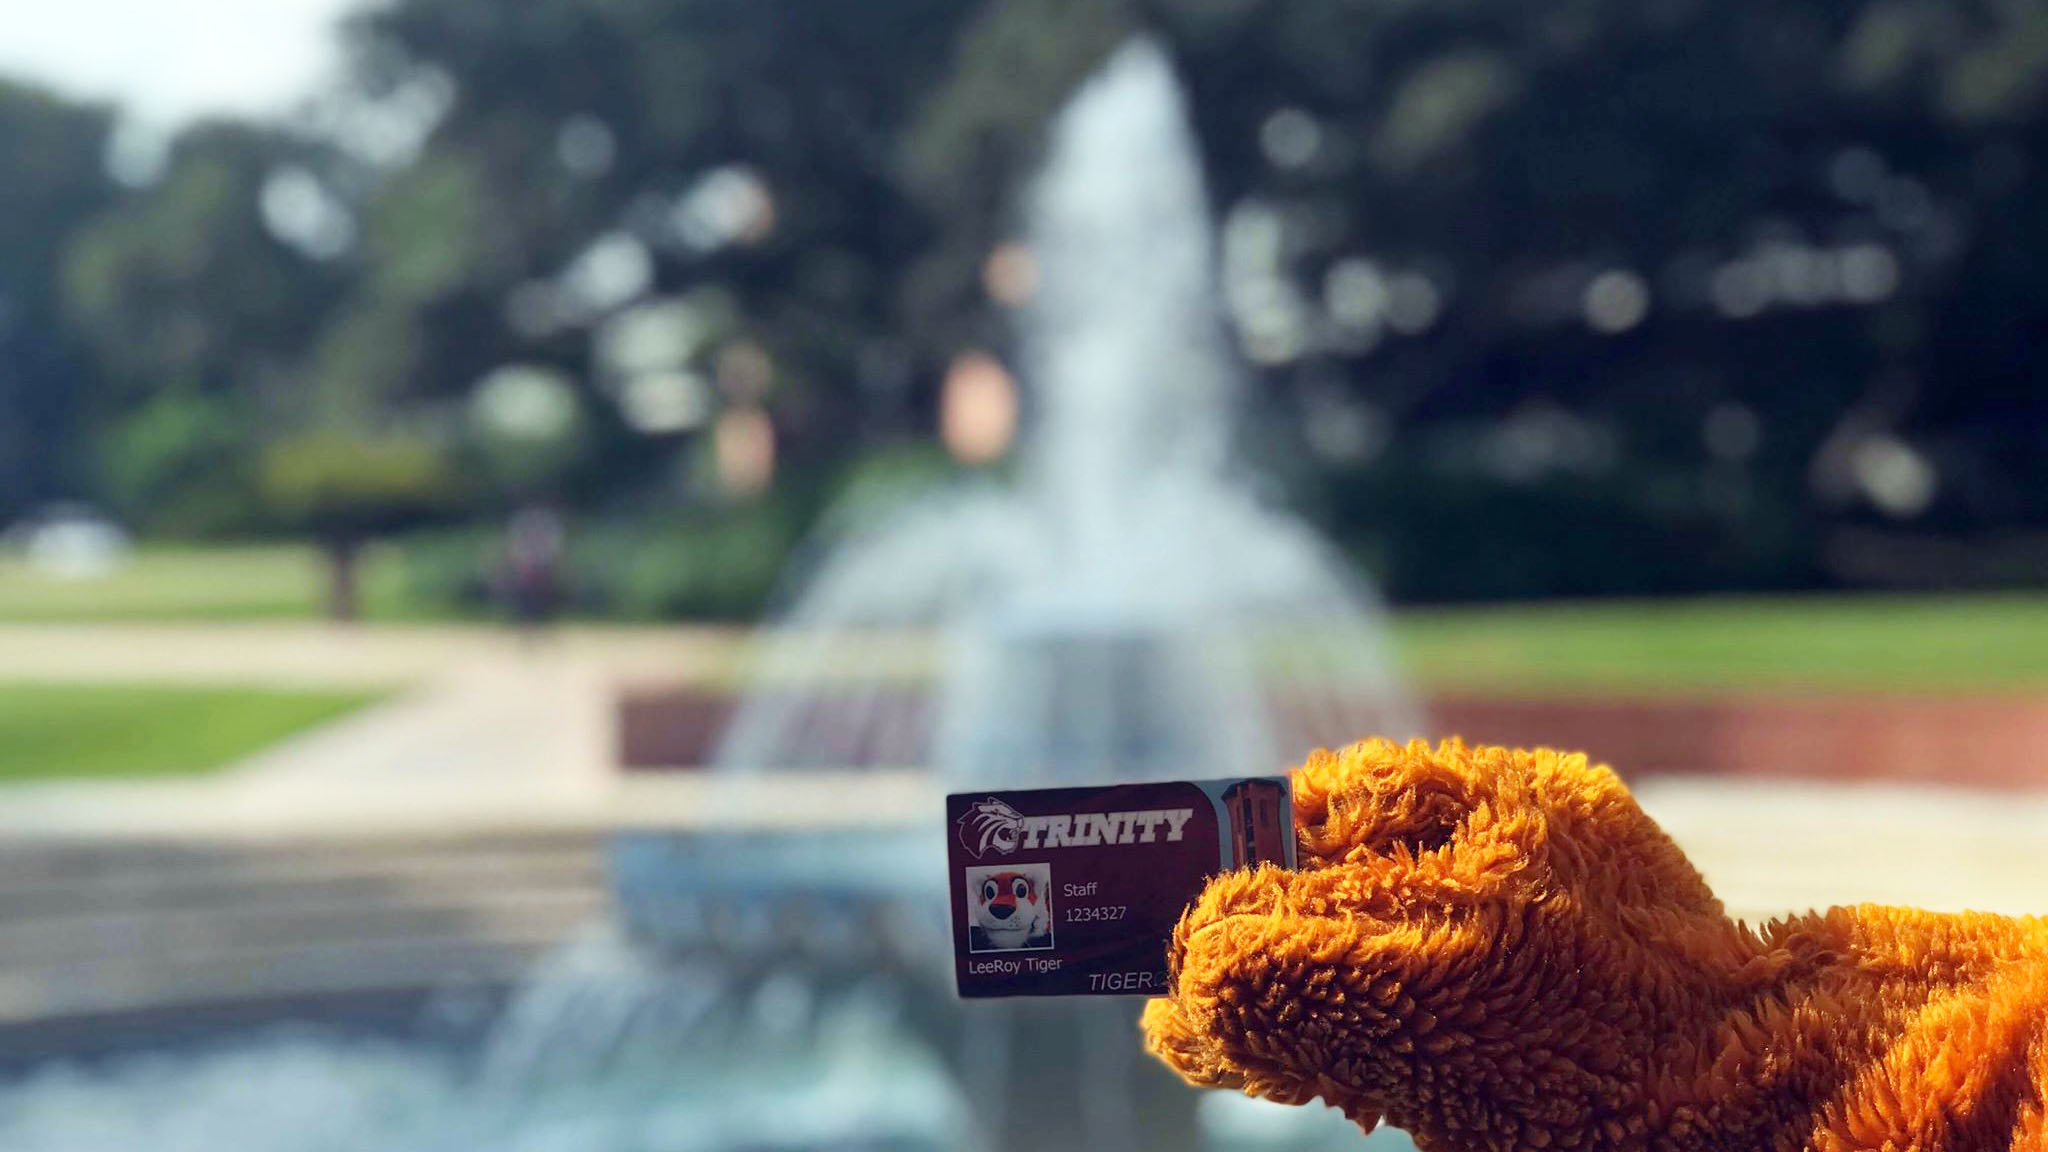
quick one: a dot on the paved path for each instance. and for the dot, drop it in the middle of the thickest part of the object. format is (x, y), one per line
(330, 655)
(486, 732)
(483, 730)
(1772, 847)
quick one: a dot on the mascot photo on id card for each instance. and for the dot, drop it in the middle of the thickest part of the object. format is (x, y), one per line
(1009, 907)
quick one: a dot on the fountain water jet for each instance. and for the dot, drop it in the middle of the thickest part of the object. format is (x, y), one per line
(1130, 609)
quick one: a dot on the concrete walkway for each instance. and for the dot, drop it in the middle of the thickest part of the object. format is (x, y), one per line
(483, 731)
(1773, 847)
(324, 655)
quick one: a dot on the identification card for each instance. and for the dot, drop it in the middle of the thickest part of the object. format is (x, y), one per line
(1075, 891)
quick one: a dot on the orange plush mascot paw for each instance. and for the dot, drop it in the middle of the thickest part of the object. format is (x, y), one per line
(1497, 950)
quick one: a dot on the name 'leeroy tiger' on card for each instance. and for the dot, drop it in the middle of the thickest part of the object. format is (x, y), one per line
(1074, 891)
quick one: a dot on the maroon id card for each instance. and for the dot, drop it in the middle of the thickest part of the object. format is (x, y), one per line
(1074, 891)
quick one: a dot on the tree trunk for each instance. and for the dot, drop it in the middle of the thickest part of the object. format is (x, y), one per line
(342, 553)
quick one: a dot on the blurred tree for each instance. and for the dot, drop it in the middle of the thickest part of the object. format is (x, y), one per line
(1745, 277)
(1742, 294)
(587, 157)
(345, 488)
(54, 180)
(199, 296)
(977, 142)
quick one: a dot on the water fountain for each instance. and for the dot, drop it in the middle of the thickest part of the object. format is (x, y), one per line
(1129, 609)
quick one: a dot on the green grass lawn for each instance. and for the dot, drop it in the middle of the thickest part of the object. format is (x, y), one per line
(102, 730)
(252, 582)
(1940, 644)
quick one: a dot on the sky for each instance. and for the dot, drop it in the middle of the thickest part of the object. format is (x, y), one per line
(165, 62)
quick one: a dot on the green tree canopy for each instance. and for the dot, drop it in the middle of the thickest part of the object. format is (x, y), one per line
(199, 313)
(53, 180)
(1742, 294)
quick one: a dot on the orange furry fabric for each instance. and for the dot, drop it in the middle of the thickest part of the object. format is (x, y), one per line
(1498, 950)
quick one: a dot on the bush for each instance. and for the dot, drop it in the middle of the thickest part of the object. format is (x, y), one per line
(442, 574)
(720, 568)
(707, 567)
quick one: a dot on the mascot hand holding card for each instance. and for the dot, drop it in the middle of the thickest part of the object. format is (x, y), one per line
(1498, 951)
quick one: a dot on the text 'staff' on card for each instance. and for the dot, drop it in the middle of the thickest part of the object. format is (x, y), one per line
(1074, 891)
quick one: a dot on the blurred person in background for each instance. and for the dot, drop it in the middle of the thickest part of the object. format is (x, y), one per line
(530, 580)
